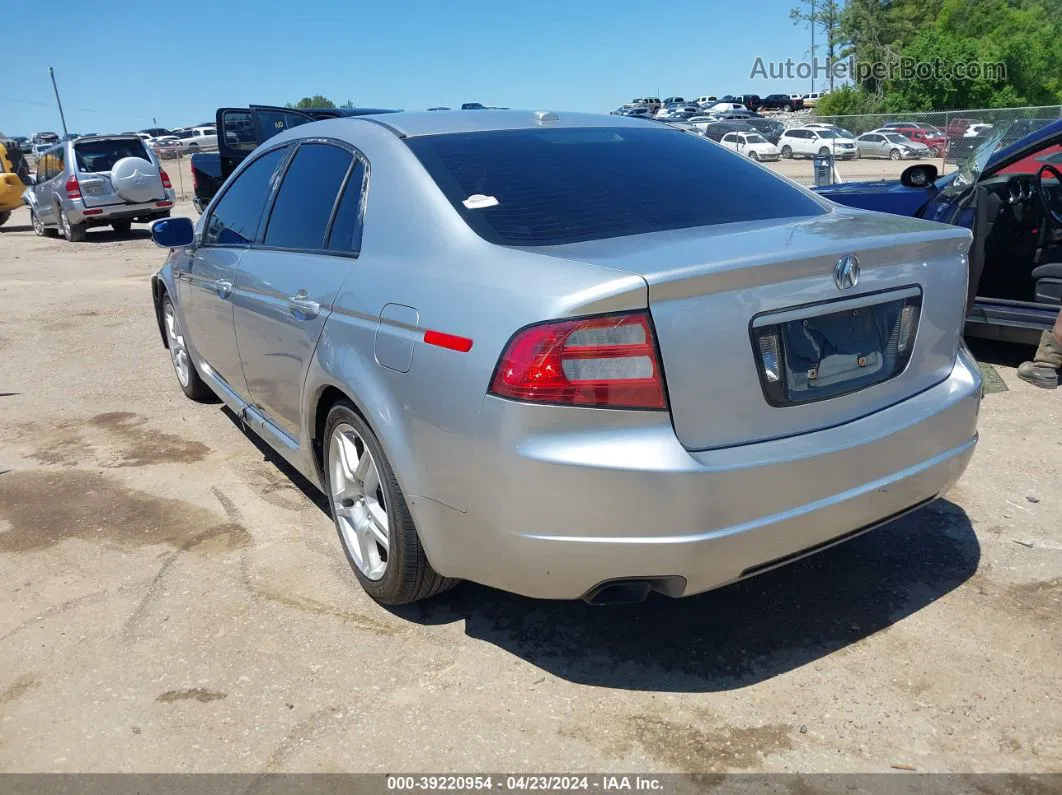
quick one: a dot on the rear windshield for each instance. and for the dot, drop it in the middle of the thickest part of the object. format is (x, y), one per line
(95, 156)
(552, 186)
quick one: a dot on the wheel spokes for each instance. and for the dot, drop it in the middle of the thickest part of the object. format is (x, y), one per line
(357, 502)
(377, 523)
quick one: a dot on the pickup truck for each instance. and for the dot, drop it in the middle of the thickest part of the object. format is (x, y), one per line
(241, 130)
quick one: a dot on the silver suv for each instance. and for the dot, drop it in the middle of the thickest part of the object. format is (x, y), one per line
(97, 181)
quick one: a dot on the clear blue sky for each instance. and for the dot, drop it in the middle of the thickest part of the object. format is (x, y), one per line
(119, 65)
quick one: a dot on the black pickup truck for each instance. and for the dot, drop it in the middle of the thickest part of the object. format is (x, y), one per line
(241, 130)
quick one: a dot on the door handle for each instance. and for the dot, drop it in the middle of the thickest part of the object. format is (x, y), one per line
(223, 288)
(302, 306)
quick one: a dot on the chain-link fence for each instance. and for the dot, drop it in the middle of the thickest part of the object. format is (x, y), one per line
(950, 138)
(953, 134)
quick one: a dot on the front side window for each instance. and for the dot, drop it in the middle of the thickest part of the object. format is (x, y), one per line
(566, 185)
(234, 221)
(307, 195)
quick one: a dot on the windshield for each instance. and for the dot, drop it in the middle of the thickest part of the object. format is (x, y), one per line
(827, 134)
(755, 139)
(973, 165)
(896, 138)
(566, 185)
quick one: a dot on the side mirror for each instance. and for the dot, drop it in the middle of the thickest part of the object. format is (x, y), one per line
(172, 232)
(919, 176)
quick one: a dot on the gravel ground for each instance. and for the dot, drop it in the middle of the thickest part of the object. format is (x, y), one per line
(175, 600)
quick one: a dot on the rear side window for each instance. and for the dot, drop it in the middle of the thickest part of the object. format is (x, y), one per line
(307, 196)
(553, 186)
(95, 156)
(346, 229)
(275, 122)
(234, 221)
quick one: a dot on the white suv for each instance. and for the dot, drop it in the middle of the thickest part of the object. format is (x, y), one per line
(811, 141)
(198, 139)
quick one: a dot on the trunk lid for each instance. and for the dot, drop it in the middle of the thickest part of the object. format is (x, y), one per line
(713, 291)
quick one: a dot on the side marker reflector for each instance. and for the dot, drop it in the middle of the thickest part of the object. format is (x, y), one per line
(451, 341)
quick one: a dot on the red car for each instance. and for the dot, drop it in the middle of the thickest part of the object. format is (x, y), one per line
(957, 127)
(934, 138)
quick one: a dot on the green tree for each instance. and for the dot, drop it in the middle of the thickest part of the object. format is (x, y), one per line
(849, 101)
(316, 101)
(1021, 35)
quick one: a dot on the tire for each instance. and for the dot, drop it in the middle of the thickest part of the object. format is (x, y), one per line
(787, 151)
(4, 216)
(935, 151)
(181, 358)
(824, 151)
(787, 108)
(39, 229)
(401, 573)
(754, 156)
(74, 233)
(122, 227)
(894, 154)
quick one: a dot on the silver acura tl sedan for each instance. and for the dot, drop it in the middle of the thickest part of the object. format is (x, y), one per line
(571, 355)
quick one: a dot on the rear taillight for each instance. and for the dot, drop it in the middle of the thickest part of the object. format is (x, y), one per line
(73, 188)
(165, 179)
(609, 361)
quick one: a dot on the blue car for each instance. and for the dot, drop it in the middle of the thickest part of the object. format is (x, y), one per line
(1010, 196)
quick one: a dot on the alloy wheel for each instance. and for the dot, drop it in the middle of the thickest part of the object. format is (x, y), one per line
(182, 364)
(38, 224)
(358, 501)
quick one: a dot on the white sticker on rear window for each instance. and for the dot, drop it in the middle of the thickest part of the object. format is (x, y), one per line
(477, 201)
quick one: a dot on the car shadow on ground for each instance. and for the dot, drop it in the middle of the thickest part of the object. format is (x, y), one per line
(1007, 354)
(313, 494)
(725, 639)
(734, 636)
(110, 236)
(15, 228)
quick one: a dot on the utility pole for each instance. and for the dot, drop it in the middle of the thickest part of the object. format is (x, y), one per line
(812, 46)
(51, 73)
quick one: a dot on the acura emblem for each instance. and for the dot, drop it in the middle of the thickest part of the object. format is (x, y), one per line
(846, 272)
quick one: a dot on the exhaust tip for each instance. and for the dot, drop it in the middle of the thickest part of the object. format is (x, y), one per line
(632, 590)
(619, 592)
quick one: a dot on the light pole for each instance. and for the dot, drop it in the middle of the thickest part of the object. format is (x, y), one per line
(62, 118)
(812, 46)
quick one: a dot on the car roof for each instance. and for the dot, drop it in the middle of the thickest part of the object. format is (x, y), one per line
(415, 124)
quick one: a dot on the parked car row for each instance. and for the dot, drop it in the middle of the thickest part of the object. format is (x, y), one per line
(661, 108)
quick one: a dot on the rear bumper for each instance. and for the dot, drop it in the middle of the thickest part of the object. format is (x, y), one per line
(79, 214)
(558, 511)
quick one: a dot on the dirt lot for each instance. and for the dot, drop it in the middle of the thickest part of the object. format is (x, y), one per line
(173, 601)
